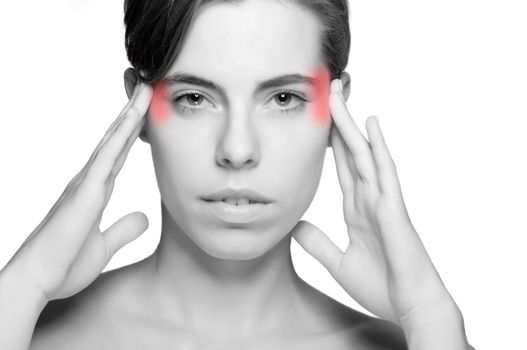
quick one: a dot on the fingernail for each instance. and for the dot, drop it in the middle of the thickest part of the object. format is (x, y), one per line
(336, 85)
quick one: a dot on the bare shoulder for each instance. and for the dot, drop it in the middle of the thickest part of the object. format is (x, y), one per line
(79, 321)
(380, 334)
(352, 329)
(366, 332)
(361, 331)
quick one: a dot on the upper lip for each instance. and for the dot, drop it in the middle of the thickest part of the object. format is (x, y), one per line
(237, 193)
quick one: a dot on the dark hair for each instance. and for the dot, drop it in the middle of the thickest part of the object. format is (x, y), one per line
(156, 30)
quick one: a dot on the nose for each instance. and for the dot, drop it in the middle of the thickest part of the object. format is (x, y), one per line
(238, 146)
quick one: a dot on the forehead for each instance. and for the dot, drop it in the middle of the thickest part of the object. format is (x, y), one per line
(239, 43)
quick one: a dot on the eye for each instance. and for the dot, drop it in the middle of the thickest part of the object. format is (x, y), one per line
(286, 98)
(283, 98)
(190, 101)
(194, 99)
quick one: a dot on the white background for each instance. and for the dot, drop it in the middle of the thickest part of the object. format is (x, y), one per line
(448, 80)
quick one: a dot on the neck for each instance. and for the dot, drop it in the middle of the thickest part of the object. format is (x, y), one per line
(223, 297)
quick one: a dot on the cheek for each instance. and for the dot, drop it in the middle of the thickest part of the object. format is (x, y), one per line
(320, 92)
(297, 167)
(159, 107)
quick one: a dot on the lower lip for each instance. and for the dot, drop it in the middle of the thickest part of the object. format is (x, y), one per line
(233, 213)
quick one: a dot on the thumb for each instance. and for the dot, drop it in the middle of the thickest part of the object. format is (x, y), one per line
(318, 244)
(124, 230)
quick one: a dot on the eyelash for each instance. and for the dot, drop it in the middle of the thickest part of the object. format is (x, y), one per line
(183, 109)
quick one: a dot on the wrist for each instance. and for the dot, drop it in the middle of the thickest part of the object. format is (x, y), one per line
(13, 290)
(20, 308)
(441, 327)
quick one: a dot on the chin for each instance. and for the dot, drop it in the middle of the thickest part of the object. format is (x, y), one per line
(231, 243)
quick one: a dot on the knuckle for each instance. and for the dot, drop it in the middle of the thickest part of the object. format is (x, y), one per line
(88, 196)
(74, 183)
(132, 112)
(392, 165)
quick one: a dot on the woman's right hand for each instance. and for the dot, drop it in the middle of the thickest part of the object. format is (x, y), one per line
(67, 250)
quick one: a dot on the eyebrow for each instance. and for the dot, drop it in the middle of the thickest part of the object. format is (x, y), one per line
(280, 80)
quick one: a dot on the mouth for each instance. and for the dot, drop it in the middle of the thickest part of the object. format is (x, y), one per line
(238, 206)
(236, 210)
(235, 201)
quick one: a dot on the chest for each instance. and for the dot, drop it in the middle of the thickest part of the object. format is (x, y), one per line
(160, 338)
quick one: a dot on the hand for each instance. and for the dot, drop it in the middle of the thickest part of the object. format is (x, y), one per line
(67, 251)
(385, 267)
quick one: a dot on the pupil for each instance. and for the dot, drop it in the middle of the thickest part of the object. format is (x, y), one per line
(283, 98)
(195, 98)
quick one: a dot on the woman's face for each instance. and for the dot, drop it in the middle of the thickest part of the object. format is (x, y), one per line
(242, 134)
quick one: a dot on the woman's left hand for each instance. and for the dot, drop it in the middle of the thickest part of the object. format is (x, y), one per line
(385, 267)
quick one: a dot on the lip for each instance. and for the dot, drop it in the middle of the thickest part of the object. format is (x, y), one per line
(238, 193)
(232, 213)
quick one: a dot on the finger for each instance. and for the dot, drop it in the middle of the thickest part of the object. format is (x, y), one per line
(352, 136)
(347, 177)
(96, 188)
(386, 170)
(124, 231)
(79, 177)
(124, 154)
(121, 160)
(116, 144)
(318, 244)
(101, 168)
(98, 250)
(115, 124)
(131, 140)
(129, 104)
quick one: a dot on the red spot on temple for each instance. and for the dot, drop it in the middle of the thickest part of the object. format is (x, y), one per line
(159, 108)
(321, 96)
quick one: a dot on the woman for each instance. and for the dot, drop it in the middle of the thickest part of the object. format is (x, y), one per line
(238, 101)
